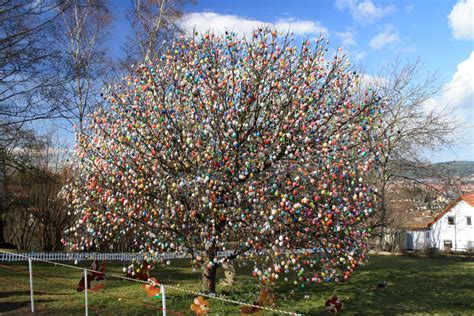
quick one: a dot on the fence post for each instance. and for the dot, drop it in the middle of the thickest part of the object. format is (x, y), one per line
(163, 298)
(85, 292)
(30, 265)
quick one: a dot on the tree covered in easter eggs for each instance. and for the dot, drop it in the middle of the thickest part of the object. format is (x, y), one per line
(253, 145)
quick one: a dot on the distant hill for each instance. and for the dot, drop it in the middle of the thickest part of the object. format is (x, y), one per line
(450, 169)
(455, 168)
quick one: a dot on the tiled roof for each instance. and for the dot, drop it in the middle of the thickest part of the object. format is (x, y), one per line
(467, 197)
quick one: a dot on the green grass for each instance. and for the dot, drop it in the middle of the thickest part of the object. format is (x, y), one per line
(416, 285)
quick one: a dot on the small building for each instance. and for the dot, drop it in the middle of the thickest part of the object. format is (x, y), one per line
(451, 230)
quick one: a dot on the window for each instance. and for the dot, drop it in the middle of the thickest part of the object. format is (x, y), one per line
(427, 235)
(448, 245)
(468, 220)
(451, 220)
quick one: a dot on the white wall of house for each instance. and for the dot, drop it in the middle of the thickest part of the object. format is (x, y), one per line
(417, 239)
(453, 229)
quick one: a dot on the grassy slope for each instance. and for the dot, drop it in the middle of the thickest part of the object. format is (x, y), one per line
(415, 285)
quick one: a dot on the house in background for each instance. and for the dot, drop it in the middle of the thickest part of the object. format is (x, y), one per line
(452, 229)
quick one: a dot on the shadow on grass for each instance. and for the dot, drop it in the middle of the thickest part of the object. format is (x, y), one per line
(4, 294)
(16, 306)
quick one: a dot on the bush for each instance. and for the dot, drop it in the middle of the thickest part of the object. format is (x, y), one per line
(432, 252)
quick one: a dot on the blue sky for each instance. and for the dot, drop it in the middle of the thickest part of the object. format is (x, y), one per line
(375, 32)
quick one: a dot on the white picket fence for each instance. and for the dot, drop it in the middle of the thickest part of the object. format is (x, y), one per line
(81, 256)
(69, 256)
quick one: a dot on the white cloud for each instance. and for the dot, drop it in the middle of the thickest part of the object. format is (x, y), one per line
(461, 20)
(458, 94)
(460, 90)
(388, 36)
(303, 27)
(457, 97)
(219, 23)
(359, 55)
(365, 11)
(347, 38)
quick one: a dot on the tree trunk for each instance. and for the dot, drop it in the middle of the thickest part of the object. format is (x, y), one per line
(2, 239)
(209, 272)
(382, 215)
(2, 195)
(208, 279)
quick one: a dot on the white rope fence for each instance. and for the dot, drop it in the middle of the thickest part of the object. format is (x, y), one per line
(163, 286)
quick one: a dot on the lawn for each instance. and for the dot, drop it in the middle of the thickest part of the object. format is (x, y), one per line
(416, 285)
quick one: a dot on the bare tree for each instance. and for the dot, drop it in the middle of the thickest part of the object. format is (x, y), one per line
(22, 226)
(36, 216)
(15, 155)
(27, 76)
(18, 159)
(27, 56)
(410, 131)
(153, 23)
(81, 35)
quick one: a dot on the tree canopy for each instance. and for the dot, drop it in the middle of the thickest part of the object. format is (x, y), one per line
(255, 144)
